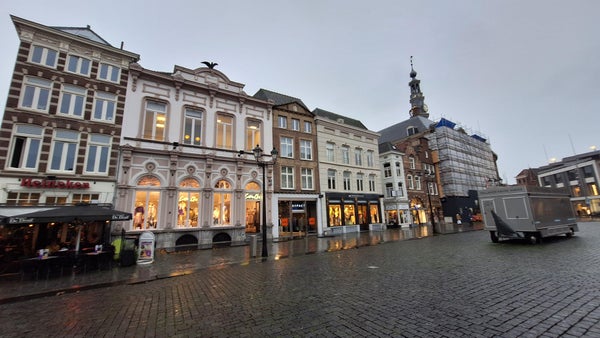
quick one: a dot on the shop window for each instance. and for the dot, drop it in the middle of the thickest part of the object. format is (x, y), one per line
(188, 203)
(335, 215)
(349, 215)
(253, 211)
(593, 189)
(147, 199)
(222, 198)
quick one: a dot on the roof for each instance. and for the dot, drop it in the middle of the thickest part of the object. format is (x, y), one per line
(399, 131)
(339, 118)
(387, 147)
(277, 98)
(84, 32)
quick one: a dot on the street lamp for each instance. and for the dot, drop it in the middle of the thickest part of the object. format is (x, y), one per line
(428, 178)
(258, 154)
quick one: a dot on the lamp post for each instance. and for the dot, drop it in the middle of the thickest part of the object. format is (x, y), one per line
(430, 205)
(258, 154)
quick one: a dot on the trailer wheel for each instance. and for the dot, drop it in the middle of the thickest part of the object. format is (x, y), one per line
(493, 237)
(534, 238)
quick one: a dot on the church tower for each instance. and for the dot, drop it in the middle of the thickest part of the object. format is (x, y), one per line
(417, 100)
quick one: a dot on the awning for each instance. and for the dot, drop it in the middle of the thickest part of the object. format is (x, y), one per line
(70, 214)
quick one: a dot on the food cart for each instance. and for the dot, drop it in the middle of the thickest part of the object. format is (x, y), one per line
(527, 212)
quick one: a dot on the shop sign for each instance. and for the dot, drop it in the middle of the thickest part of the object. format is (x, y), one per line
(146, 249)
(253, 196)
(299, 206)
(67, 184)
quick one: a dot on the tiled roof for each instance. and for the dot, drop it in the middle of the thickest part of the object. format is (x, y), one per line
(277, 98)
(339, 118)
(399, 131)
(84, 32)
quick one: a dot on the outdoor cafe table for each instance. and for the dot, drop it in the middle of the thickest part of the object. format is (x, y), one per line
(37, 264)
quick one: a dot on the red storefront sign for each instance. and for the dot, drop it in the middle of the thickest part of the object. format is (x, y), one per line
(67, 184)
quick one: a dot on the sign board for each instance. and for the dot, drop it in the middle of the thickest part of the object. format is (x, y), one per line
(146, 248)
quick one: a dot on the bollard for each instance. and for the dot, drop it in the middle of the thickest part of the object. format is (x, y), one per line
(253, 245)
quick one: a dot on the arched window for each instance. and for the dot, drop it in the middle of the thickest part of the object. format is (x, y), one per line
(147, 198)
(188, 203)
(222, 203)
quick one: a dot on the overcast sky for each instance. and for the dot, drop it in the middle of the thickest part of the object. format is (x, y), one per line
(525, 74)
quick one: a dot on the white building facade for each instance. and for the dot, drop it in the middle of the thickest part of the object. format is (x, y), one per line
(350, 175)
(395, 201)
(187, 172)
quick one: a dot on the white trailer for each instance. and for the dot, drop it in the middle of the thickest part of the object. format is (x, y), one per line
(527, 212)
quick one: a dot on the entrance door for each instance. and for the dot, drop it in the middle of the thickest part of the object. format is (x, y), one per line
(363, 218)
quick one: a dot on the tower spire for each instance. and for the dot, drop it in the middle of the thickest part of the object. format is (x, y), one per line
(417, 100)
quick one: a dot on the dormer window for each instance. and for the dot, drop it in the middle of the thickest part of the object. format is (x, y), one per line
(412, 130)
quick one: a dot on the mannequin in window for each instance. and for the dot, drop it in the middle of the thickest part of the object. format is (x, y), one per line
(216, 214)
(138, 218)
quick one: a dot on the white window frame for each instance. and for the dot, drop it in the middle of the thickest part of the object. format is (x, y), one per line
(46, 57)
(411, 162)
(194, 120)
(287, 177)
(307, 178)
(105, 107)
(295, 125)
(358, 156)
(371, 182)
(418, 183)
(98, 154)
(347, 180)
(360, 178)
(331, 182)
(286, 145)
(282, 121)
(37, 88)
(79, 65)
(308, 127)
(65, 147)
(330, 151)
(370, 160)
(306, 150)
(224, 133)
(157, 117)
(345, 154)
(29, 155)
(409, 181)
(253, 134)
(113, 72)
(69, 97)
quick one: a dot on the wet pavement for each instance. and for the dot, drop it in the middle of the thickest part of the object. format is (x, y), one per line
(14, 288)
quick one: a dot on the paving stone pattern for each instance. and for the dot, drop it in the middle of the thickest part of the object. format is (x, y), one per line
(458, 285)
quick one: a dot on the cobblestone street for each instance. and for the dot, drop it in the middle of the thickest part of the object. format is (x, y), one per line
(442, 286)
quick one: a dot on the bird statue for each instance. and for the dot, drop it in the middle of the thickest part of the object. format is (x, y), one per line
(210, 65)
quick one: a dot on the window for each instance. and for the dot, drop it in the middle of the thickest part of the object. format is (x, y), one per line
(282, 122)
(358, 156)
(412, 130)
(588, 171)
(359, 182)
(398, 169)
(307, 127)
(331, 179)
(409, 180)
(400, 189)
(64, 150)
(252, 134)
(72, 100)
(36, 93)
(109, 72)
(287, 147)
(188, 203)
(43, 56)
(26, 144)
(295, 124)
(345, 155)
(387, 170)
(287, 178)
(105, 105)
(222, 203)
(369, 158)
(592, 189)
(23, 198)
(146, 205)
(155, 120)
(305, 150)
(193, 127)
(78, 65)
(306, 177)
(56, 200)
(572, 175)
(224, 131)
(346, 180)
(546, 181)
(411, 163)
(98, 154)
(329, 152)
(418, 182)
(84, 198)
(389, 189)
(371, 182)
